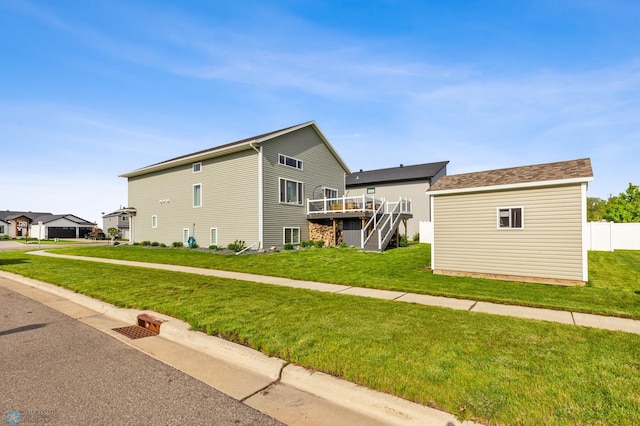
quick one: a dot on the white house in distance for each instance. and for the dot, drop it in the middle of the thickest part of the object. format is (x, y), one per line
(518, 224)
(119, 220)
(17, 224)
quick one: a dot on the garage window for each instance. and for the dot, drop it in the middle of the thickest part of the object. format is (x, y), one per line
(510, 218)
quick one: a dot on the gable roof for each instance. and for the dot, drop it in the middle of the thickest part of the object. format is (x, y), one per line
(232, 147)
(534, 175)
(395, 174)
(7, 215)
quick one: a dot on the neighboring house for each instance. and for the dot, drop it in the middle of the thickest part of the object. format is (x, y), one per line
(4, 228)
(117, 219)
(254, 190)
(400, 182)
(44, 225)
(519, 224)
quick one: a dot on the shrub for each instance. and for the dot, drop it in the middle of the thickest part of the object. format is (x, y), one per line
(344, 245)
(215, 247)
(115, 243)
(305, 244)
(163, 245)
(237, 246)
(177, 244)
(404, 242)
(155, 244)
(146, 243)
(194, 245)
(136, 244)
(416, 237)
(319, 243)
(288, 246)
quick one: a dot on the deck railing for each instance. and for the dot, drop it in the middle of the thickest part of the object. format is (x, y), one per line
(343, 204)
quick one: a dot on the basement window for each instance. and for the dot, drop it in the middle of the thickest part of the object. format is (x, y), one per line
(510, 218)
(292, 235)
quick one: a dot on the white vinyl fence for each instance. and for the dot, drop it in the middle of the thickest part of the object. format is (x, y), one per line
(426, 232)
(609, 236)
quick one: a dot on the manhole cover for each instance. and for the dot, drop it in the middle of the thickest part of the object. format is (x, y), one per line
(135, 332)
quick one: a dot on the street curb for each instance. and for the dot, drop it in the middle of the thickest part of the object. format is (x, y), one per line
(388, 408)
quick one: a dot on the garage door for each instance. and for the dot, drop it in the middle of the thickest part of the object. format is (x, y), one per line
(61, 232)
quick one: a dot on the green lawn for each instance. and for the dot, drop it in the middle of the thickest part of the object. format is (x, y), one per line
(613, 289)
(489, 368)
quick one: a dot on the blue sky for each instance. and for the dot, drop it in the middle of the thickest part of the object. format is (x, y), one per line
(90, 90)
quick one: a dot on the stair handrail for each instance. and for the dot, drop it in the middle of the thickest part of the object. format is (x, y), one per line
(374, 220)
(394, 223)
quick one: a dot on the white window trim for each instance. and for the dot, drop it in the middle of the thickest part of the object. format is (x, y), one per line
(211, 242)
(193, 198)
(185, 240)
(509, 228)
(300, 196)
(193, 167)
(298, 161)
(324, 190)
(371, 190)
(284, 233)
(154, 221)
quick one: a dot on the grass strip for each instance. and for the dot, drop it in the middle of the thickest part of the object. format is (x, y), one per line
(613, 289)
(489, 368)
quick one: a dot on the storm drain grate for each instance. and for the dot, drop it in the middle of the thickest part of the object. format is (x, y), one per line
(135, 332)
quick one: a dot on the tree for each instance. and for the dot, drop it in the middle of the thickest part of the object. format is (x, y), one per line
(624, 207)
(113, 233)
(596, 208)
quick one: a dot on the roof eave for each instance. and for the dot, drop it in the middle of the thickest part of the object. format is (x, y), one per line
(554, 182)
(213, 153)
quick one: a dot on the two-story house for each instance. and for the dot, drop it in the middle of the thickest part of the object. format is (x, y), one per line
(254, 190)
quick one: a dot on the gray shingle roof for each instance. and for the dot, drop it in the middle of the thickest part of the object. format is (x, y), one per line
(395, 174)
(562, 170)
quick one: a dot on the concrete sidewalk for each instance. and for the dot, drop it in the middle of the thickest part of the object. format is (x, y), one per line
(284, 391)
(564, 317)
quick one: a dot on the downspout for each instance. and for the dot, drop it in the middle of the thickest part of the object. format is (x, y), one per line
(260, 195)
(585, 254)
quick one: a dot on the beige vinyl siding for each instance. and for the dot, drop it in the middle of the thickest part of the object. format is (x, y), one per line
(229, 201)
(466, 238)
(415, 191)
(320, 168)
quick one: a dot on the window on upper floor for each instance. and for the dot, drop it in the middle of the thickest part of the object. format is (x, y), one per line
(289, 161)
(510, 218)
(197, 195)
(196, 167)
(371, 190)
(290, 191)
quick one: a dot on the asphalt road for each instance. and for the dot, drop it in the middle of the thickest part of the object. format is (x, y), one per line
(56, 370)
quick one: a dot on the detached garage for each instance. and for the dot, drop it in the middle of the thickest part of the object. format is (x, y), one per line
(517, 224)
(44, 225)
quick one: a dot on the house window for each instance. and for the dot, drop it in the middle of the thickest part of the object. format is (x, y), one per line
(371, 190)
(290, 191)
(1, 229)
(197, 195)
(510, 218)
(330, 193)
(289, 161)
(154, 221)
(196, 167)
(213, 237)
(185, 236)
(291, 235)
